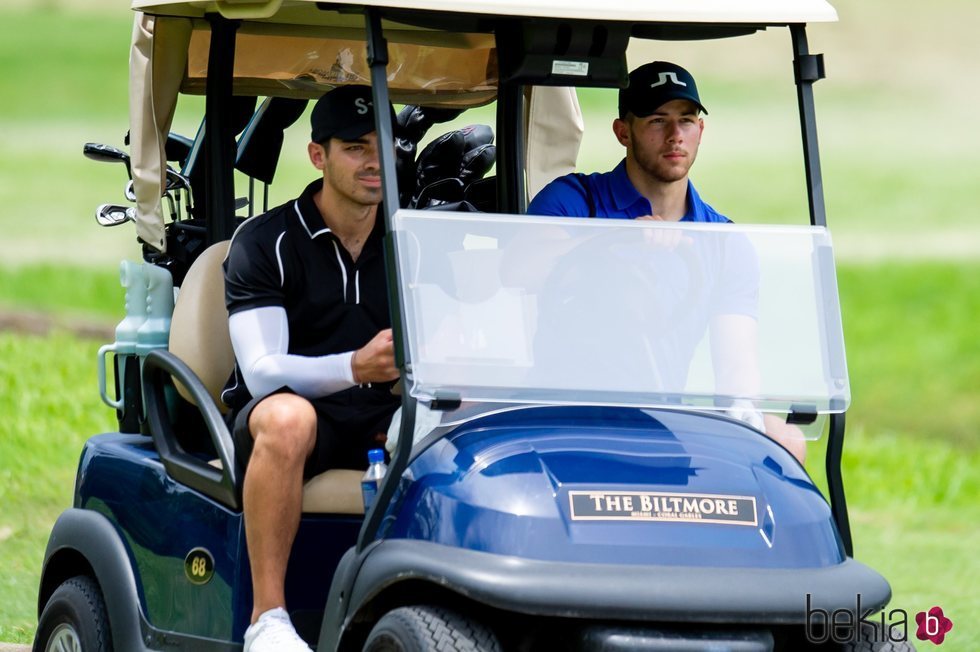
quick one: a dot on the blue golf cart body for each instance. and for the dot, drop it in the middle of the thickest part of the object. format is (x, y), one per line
(545, 510)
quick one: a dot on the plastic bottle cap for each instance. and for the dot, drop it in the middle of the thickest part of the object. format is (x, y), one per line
(376, 455)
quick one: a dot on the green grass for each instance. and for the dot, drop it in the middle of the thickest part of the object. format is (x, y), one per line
(56, 98)
(912, 348)
(49, 408)
(93, 293)
(81, 70)
(914, 517)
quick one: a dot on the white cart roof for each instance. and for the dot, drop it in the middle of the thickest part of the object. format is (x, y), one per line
(699, 11)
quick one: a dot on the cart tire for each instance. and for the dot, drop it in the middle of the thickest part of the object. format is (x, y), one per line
(871, 641)
(429, 629)
(74, 619)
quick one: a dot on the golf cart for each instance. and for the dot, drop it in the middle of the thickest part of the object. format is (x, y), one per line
(573, 470)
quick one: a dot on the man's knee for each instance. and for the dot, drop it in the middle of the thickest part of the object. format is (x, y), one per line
(285, 425)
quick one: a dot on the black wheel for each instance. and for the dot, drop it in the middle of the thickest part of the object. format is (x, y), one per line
(429, 629)
(872, 640)
(74, 619)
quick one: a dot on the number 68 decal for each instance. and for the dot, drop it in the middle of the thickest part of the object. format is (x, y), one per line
(199, 566)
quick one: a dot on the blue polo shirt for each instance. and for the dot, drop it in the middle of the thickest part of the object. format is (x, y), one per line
(613, 195)
(719, 276)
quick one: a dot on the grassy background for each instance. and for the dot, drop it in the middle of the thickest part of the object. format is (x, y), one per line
(901, 149)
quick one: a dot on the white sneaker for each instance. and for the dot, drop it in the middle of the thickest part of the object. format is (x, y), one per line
(274, 632)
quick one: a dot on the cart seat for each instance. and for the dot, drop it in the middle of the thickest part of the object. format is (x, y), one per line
(199, 337)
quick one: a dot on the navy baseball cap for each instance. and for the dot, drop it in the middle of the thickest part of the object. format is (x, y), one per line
(654, 84)
(346, 112)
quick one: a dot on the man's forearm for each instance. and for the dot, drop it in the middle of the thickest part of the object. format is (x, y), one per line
(260, 337)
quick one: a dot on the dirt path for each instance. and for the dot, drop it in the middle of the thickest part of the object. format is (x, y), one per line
(33, 322)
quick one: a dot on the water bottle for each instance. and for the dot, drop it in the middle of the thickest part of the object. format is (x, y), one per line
(373, 476)
(155, 331)
(132, 276)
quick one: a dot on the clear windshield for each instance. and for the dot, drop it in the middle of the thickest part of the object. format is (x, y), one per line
(533, 310)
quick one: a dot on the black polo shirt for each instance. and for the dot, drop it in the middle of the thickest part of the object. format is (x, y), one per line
(289, 258)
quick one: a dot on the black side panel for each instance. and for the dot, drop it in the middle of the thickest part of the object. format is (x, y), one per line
(335, 613)
(835, 481)
(221, 484)
(620, 592)
(91, 535)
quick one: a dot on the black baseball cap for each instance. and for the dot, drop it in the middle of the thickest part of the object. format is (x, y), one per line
(654, 84)
(346, 112)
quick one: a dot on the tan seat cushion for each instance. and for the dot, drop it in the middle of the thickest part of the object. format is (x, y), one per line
(199, 329)
(337, 491)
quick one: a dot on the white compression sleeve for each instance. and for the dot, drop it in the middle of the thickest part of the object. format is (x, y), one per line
(260, 337)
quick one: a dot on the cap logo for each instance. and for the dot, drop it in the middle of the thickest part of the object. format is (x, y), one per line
(363, 106)
(665, 77)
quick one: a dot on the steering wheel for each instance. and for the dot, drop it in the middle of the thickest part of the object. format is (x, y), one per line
(654, 279)
(630, 288)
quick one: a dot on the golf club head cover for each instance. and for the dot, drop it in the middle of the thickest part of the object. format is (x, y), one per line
(439, 160)
(477, 162)
(411, 125)
(406, 145)
(414, 121)
(261, 143)
(239, 113)
(177, 148)
(476, 135)
(440, 192)
(482, 194)
(405, 170)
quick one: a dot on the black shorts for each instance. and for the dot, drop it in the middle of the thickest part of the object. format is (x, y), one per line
(348, 425)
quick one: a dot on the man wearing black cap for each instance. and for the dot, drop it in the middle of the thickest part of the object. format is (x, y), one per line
(306, 293)
(660, 126)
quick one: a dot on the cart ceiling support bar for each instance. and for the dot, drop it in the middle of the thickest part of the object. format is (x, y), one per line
(808, 69)
(377, 58)
(399, 461)
(377, 54)
(511, 187)
(219, 141)
(835, 483)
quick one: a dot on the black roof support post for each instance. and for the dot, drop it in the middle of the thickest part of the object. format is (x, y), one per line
(835, 482)
(219, 141)
(808, 68)
(377, 54)
(511, 187)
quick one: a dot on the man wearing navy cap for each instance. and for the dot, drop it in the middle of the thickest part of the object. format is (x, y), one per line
(660, 126)
(306, 293)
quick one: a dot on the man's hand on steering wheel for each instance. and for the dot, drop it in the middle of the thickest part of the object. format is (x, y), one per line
(667, 239)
